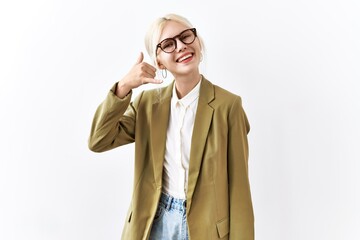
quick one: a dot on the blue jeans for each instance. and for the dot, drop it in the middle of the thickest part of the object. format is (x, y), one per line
(170, 220)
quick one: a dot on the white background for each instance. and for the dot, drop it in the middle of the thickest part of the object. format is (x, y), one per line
(295, 64)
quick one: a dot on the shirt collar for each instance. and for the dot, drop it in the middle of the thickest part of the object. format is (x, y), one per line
(189, 98)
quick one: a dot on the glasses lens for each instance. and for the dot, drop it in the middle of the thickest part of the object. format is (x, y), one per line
(187, 37)
(168, 45)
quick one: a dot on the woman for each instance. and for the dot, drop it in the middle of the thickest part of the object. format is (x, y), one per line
(191, 149)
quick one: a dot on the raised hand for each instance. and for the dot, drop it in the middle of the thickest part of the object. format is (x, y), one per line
(141, 73)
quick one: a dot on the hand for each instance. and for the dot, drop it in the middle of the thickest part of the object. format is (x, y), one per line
(141, 73)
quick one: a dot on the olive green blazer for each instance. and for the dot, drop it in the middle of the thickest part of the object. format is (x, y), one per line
(219, 202)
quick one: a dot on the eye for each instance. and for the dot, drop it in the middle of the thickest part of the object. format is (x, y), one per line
(185, 36)
(167, 44)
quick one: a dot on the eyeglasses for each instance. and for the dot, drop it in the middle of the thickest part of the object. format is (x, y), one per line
(169, 45)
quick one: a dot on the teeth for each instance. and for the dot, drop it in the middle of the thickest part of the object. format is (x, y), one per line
(185, 57)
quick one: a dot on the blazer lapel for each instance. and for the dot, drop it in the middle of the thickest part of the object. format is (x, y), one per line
(202, 123)
(159, 125)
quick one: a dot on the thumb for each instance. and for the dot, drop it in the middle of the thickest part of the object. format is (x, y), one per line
(140, 58)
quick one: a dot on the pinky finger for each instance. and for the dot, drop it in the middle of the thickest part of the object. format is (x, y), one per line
(153, 80)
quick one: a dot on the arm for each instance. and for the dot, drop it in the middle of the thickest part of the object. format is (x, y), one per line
(241, 210)
(114, 120)
(114, 123)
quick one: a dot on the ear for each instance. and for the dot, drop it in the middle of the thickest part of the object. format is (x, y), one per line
(161, 66)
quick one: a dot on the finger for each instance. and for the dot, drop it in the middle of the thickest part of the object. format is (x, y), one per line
(149, 66)
(140, 58)
(150, 72)
(153, 80)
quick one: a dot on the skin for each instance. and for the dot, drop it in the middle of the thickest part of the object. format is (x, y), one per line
(186, 73)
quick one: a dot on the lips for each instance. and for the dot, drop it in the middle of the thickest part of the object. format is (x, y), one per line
(184, 57)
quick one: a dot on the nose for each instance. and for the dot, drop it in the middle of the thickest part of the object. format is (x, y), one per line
(180, 45)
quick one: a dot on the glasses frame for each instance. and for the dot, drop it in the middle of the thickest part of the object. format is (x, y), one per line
(177, 37)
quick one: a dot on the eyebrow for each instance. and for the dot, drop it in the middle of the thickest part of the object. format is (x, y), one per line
(175, 35)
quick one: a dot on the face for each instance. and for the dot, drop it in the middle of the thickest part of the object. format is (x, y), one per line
(185, 58)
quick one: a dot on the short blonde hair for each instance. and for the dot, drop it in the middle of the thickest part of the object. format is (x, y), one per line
(152, 36)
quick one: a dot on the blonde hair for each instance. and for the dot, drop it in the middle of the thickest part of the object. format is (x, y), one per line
(152, 36)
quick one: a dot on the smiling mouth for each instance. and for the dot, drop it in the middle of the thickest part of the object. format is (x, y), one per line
(181, 59)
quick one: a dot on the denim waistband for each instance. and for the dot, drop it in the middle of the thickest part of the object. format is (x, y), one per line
(171, 203)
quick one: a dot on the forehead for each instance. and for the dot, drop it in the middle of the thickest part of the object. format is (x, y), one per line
(172, 29)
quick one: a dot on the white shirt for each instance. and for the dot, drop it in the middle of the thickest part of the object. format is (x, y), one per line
(178, 142)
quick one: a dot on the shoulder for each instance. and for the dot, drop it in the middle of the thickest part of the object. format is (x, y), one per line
(229, 105)
(225, 94)
(157, 94)
(221, 97)
(150, 96)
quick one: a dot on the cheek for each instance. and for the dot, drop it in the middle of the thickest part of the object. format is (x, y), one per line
(198, 46)
(164, 59)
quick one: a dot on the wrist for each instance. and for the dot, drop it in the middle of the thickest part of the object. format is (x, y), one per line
(122, 89)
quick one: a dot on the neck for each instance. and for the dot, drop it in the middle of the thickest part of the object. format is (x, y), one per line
(185, 83)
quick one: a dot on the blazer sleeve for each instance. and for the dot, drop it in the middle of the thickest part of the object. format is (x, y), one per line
(241, 210)
(114, 122)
